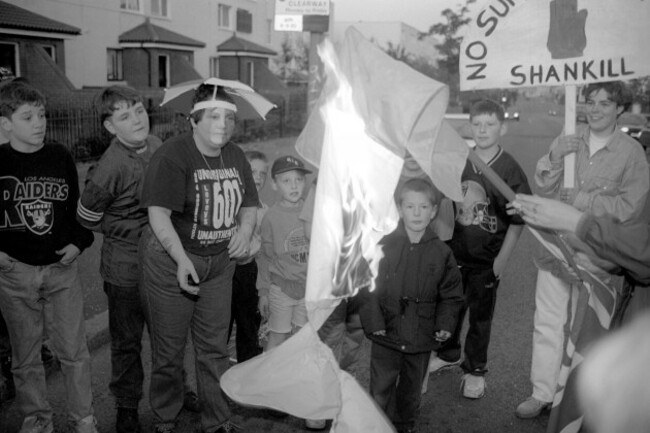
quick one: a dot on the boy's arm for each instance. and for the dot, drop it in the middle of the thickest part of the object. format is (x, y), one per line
(91, 206)
(509, 243)
(370, 313)
(264, 258)
(450, 295)
(549, 174)
(82, 238)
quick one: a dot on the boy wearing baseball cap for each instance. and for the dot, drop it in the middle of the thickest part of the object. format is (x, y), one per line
(283, 256)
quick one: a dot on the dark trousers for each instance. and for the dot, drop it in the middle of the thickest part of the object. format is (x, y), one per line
(480, 289)
(396, 383)
(244, 311)
(343, 333)
(126, 325)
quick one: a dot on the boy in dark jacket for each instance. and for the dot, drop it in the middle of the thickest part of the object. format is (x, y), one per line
(414, 306)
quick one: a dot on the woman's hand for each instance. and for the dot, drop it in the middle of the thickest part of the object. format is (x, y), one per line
(545, 213)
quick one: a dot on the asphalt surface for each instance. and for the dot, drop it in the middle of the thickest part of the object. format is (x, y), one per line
(443, 409)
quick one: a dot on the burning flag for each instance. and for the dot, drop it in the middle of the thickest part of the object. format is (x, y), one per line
(373, 111)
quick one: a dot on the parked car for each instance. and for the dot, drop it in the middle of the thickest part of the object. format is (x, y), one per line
(581, 117)
(637, 125)
(512, 115)
(552, 112)
(460, 122)
(632, 123)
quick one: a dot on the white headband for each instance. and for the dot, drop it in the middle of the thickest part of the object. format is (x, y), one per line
(213, 104)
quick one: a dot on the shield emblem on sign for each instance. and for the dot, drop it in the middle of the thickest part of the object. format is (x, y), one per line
(38, 216)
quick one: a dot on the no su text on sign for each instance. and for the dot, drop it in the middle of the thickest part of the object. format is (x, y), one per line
(515, 43)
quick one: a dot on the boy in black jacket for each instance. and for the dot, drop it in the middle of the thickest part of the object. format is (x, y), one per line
(414, 306)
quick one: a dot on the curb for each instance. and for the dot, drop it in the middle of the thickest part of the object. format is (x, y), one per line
(97, 333)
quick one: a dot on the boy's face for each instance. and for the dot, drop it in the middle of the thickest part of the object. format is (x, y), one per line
(26, 126)
(290, 185)
(416, 210)
(487, 130)
(129, 123)
(260, 171)
(215, 128)
(602, 112)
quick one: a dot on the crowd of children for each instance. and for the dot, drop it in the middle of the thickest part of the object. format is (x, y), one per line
(167, 222)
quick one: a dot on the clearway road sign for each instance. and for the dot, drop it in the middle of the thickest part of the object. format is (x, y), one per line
(302, 15)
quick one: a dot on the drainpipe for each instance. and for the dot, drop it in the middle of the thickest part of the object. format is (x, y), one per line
(146, 50)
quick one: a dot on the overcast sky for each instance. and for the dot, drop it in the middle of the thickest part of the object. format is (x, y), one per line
(420, 14)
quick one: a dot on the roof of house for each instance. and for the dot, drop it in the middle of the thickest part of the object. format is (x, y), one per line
(147, 32)
(14, 17)
(238, 44)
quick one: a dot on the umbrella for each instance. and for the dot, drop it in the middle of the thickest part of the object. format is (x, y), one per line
(250, 104)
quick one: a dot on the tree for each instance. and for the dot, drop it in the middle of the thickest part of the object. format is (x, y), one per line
(293, 58)
(449, 47)
(419, 63)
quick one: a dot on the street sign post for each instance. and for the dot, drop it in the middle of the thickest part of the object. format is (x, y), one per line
(311, 16)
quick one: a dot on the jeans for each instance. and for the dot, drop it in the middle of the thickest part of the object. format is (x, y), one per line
(396, 383)
(170, 314)
(480, 289)
(34, 298)
(244, 311)
(126, 325)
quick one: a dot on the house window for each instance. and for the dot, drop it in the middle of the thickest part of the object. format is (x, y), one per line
(163, 71)
(269, 30)
(130, 5)
(160, 8)
(244, 21)
(250, 73)
(49, 49)
(224, 16)
(114, 69)
(9, 65)
(214, 66)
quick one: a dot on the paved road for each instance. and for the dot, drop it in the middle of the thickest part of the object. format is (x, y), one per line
(443, 409)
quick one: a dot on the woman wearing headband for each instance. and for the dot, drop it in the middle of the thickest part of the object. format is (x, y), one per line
(202, 202)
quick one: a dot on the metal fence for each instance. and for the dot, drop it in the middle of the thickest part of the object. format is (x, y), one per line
(77, 125)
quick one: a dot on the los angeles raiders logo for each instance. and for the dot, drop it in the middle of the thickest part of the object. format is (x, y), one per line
(37, 216)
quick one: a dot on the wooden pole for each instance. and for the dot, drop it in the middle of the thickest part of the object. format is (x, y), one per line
(569, 129)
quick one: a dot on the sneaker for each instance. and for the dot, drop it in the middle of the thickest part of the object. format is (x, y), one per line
(436, 364)
(164, 427)
(191, 402)
(473, 386)
(315, 424)
(34, 424)
(126, 420)
(85, 425)
(531, 408)
(228, 427)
